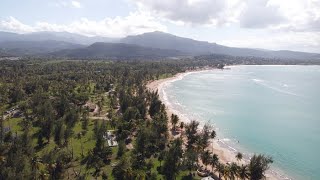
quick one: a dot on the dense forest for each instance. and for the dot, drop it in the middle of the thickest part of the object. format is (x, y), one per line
(96, 119)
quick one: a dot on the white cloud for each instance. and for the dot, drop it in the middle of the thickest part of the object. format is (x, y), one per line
(301, 15)
(13, 24)
(299, 41)
(67, 3)
(260, 14)
(134, 23)
(186, 11)
(292, 15)
(76, 4)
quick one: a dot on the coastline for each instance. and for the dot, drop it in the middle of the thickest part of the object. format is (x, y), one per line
(218, 147)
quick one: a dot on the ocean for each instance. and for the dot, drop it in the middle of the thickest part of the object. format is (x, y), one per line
(272, 110)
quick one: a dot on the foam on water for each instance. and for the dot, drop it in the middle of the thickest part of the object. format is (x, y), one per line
(267, 85)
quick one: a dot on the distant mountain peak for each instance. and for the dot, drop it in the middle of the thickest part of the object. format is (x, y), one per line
(161, 33)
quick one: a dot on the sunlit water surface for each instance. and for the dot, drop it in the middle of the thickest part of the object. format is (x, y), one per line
(274, 110)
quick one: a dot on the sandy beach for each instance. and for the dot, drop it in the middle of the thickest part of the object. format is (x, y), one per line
(225, 154)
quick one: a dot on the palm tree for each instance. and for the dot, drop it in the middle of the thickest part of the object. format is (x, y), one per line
(239, 156)
(52, 169)
(128, 173)
(213, 134)
(243, 172)
(140, 175)
(181, 125)
(100, 105)
(233, 170)
(258, 165)
(220, 168)
(79, 136)
(174, 121)
(190, 158)
(214, 160)
(160, 157)
(43, 175)
(191, 131)
(205, 157)
(227, 172)
(35, 165)
(123, 169)
(171, 166)
(113, 122)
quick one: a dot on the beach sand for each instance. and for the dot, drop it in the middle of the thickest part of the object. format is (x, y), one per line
(225, 155)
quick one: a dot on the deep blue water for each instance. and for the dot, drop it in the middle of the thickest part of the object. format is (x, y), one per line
(274, 110)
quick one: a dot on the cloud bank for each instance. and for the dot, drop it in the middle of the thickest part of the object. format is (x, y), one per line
(294, 15)
(67, 4)
(134, 23)
(285, 15)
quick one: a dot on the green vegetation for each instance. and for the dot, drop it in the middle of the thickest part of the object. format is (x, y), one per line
(97, 119)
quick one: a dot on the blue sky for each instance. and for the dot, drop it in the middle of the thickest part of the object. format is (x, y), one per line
(268, 24)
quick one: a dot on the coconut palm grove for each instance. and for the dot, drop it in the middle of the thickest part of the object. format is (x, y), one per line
(98, 120)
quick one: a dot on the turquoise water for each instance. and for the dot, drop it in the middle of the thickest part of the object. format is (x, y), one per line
(274, 110)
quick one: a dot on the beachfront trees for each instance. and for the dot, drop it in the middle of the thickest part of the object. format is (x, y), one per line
(227, 172)
(159, 128)
(258, 165)
(190, 159)
(174, 121)
(220, 168)
(243, 172)
(233, 170)
(155, 104)
(181, 125)
(213, 134)
(205, 158)
(191, 133)
(204, 136)
(239, 156)
(214, 160)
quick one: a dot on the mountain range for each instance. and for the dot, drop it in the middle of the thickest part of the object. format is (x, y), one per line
(53, 36)
(120, 51)
(147, 45)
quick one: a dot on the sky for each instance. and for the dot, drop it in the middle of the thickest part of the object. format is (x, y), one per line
(265, 24)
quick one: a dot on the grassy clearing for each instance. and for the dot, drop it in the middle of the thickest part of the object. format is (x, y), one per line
(13, 124)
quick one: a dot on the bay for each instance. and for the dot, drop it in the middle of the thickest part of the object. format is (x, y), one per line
(273, 110)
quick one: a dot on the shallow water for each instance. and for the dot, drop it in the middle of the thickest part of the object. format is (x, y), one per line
(274, 110)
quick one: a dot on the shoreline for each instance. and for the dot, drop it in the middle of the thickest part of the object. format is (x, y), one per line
(224, 154)
(216, 146)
